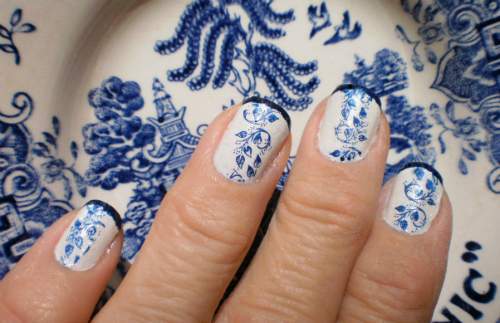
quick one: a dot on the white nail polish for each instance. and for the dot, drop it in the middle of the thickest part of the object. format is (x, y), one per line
(251, 141)
(350, 122)
(415, 199)
(88, 237)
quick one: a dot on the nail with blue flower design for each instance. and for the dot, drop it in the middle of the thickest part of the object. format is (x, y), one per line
(350, 123)
(252, 140)
(415, 199)
(88, 237)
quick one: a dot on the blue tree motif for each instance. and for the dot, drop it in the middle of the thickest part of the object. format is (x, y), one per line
(115, 141)
(467, 130)
(409, 133)
(261, 60)
(15, 26)
(417, 195)
(54, 168)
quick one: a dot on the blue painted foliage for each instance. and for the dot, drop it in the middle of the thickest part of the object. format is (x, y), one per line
(260, 60)
(7, 34)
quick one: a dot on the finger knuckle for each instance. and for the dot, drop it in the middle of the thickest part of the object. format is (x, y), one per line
(404, 292)
(200, 222)
(274, 307)
(344, 211)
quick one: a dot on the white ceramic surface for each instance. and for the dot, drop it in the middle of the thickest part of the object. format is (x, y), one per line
(434, 64)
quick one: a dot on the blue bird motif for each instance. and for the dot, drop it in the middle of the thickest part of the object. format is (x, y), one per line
(319, 17)
(345, 31)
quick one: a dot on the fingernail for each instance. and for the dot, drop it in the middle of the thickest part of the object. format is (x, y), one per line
(88, 237)
(415, 199)
(252, 140)
(349, 124)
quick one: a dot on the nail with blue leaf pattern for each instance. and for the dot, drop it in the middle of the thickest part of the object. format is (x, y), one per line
(88, 237)
(349, 124)
(415, 199)
(252, 140)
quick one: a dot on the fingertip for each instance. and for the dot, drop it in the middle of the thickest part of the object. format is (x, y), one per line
(42, 285)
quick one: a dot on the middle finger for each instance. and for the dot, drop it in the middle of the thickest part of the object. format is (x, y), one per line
(323, 218)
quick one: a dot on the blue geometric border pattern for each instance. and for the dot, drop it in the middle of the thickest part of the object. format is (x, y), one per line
(468, 73)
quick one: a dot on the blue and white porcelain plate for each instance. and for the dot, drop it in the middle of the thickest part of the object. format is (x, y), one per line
(108, 99)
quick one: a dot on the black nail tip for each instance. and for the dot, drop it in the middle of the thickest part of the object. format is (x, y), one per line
(108, 209)
(354, 86)
(423, 165)
(272, 105)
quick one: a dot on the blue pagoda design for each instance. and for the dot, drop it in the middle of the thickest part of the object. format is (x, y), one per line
(177, 143)
(149, 153)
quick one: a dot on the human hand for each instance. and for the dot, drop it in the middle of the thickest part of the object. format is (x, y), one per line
(340, 247)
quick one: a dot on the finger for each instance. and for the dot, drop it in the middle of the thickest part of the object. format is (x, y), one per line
(61, 278)
(323, 218)
(207, 222)
(399, 274)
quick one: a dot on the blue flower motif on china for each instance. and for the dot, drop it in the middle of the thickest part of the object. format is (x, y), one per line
(7, 33)
(352, 128)
(242, 60)
(253, 143)
(420, 192)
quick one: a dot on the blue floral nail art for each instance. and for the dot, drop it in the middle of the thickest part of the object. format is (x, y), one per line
(350, 120)
(88, 236)
(257, 130)
(415, 199)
